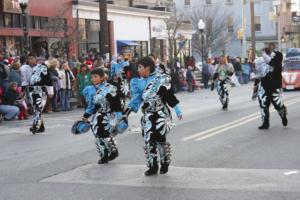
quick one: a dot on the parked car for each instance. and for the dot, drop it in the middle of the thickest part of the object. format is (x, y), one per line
(292, 52)
(291, 72)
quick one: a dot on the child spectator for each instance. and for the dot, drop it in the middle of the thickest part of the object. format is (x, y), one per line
(67, 77)
(83, 80)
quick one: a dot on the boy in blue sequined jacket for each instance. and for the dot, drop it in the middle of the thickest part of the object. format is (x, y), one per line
(153, 93)
(103, 100)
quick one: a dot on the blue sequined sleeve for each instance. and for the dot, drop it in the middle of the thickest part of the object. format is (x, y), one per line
(136, 94)
(113, 70)
(89, 93)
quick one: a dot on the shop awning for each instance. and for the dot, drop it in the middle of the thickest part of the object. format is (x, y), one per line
(127, 43)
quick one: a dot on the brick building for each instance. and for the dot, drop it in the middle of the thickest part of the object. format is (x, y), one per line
(48, 22)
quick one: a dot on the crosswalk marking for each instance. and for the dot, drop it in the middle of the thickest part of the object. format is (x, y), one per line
(181, 177)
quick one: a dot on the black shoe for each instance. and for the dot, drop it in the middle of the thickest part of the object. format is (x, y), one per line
(42, 128)
(113, 155)
(284, 121)
(151, 171)
(103, 160)
(164, 169)
(34, 130)
(264, 127)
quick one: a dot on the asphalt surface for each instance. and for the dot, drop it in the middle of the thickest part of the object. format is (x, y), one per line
(216, 155)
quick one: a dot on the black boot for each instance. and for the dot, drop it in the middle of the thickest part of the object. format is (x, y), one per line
(164, 169)
(103, 160)
(225, 105)
(165, 156)
(151, 157)
(283, 114)
(265, 119)
(102, 145)
(284, 121)
(42, 128)
(33, 130)
(264, 126)
(114, 153)
(152, 170)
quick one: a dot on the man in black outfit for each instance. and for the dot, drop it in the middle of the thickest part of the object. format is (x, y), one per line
(270, 88)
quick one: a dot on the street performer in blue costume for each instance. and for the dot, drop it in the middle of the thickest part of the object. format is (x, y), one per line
(104, 106)
(39, 82)
(117, 77)
(153, 93)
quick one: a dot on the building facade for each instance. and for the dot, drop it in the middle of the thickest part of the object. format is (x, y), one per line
(136, 28)
(229, 16)
(48, 23)
(288, 13)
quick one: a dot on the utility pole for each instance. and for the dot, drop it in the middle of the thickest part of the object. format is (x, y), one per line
(252, 30)
(104, 33)
(244, 42)
(25, 39)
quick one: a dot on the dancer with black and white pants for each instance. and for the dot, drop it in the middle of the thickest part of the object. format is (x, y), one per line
(222, 81)
(269, 88)
(39, 82)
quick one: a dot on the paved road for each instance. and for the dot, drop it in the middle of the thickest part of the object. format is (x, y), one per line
(216, 155)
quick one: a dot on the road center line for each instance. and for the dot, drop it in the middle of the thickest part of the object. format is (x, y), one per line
(203, 137)
(218, 127)
(233, 124)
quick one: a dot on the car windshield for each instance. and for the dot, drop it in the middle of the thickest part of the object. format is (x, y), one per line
(291, 66)
(293, 54)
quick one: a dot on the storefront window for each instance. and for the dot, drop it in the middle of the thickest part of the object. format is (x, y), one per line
(1, 20)
(44, 22)
(8, 20)
(2, 43)
(12, 45)
(90, 37)
(142, 49)
(16, 21)
(37, 23)
(131, 49)
(158, 47)
(30, 22)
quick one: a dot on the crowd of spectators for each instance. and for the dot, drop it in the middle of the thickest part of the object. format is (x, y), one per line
(70, 77)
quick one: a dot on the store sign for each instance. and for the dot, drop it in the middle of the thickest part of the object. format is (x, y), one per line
(158, 29)
(11, 6)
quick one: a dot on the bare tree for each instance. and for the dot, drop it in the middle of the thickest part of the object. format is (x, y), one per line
(172, 25)
(58, 27)
(218, 33)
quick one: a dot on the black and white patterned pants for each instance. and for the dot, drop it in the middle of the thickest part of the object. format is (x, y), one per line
(265, 99)
(223, 88)
(38, 100)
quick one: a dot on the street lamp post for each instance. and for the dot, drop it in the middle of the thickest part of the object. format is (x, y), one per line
(253, 45)
(201, 26)
(25, 41)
